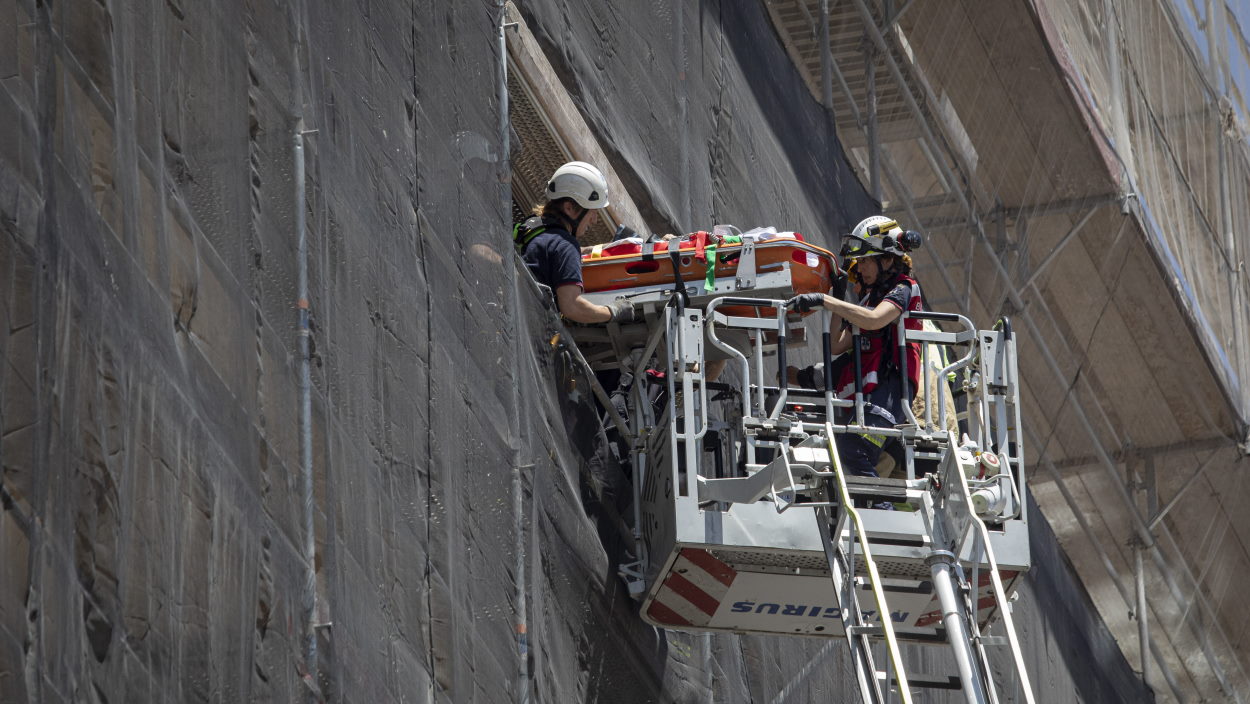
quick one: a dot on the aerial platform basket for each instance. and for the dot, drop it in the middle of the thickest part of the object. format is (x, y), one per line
(733, 545)
(744, 518)
(748, 568)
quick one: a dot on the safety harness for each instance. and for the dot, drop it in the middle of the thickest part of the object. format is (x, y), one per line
(880, 348)
(524, 232)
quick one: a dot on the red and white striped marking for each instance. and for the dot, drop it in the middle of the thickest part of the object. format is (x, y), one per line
(986, 603)
(695, 586)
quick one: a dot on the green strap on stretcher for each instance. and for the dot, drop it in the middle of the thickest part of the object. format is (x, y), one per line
(709, 283)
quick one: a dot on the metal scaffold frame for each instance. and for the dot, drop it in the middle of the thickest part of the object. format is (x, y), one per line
(960, 183)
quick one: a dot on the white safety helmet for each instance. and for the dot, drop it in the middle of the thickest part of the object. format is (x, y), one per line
(580, 181)
(878, 235)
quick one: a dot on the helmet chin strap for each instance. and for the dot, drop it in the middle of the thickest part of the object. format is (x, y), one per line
(575, 223)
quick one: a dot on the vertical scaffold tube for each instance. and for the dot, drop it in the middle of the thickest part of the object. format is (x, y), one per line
(1143, 611)
(512, 286)
(308, 607)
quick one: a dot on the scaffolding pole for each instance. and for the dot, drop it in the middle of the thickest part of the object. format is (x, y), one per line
(1199, 629)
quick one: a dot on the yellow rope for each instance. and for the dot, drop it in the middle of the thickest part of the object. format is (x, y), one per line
(883, 609)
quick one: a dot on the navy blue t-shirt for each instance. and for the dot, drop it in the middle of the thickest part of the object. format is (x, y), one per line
(554, 258)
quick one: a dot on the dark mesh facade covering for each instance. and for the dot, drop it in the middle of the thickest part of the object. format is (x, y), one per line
(152, 527)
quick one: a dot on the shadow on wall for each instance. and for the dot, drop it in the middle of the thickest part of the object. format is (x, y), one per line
(582, 508)
(806, 136)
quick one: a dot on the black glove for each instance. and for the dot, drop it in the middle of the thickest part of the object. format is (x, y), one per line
(839, 287)
(812, 377)
(809, 301)
(622, 311)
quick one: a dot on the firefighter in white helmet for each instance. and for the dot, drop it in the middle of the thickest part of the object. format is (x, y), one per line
(548, 242)
(875, 257)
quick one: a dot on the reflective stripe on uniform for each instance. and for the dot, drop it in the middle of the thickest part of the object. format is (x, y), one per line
(848, 390)
(878, 440)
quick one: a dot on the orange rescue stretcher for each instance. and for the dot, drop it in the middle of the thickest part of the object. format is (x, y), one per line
(763, 264)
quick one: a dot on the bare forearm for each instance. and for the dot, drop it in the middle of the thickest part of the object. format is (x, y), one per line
(864, 318)
(841, 343)
(580, 310)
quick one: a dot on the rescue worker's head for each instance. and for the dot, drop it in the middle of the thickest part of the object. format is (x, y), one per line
(575, 193)
(876, 251)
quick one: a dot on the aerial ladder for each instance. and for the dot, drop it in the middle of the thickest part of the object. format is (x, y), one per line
(745, 519)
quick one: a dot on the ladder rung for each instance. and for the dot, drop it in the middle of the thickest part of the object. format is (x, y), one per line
(925, 681)
(870, 630)
(916, 542)
(852, 480)
(874, 486)
(918, 636)
(921, 636)
(861, 581)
